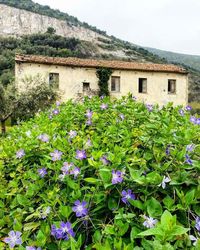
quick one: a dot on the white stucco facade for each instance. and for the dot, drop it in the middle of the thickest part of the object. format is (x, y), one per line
(71, 79)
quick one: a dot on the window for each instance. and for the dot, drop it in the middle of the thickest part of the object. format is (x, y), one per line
(86, 86)
(142, 86)
(54, 80)
(115, 84)
(171, 86)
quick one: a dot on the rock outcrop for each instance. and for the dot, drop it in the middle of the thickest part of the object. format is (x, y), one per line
(18, 22)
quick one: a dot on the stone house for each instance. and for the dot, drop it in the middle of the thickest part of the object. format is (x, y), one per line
(151, 83)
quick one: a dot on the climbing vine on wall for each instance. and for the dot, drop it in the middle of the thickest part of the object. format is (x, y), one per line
(103, 75)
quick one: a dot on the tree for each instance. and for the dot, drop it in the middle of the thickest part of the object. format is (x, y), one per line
(8, 102)
(25, 104)
(51, 30)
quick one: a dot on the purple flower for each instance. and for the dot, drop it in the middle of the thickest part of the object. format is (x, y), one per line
(164, 181)
(122, 116)
(89, 114)
(134, 98)
(76, 171)
(197, 225)
(66, 230)
(149, 222)
(104, 160)
(88, 143)
(80, 208)
(89, 122)
(66, 167)
(149, 107)
(57, 103)
(63, 232)
(181, 112)
(13, 239)
(45, 212)
(81, 154)
(55, 232)
(43, 137)
(28, 133)
(194, 239)
(117, 176)
(193, 119)
(56, 111)
(42, 172)
(102, 97)
(72, 134)
(167, 151)
(188, 160)
(20, 153)
(126, 196)
(190, 147)
(188, 108)
(33, 248)
(104, 106)
(198, 121)
(56, 155)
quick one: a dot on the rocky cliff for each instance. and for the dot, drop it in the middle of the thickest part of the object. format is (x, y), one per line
(17, 22)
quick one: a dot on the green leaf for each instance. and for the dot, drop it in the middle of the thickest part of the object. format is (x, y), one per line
(179, 230)
(137, 203)
(41, 238)
(136, 176)
(189, 197)
(105, 175)
(65, 211)
(91, 180)
(152, 231)
(134, 232)
(72, 184)
(167, 220)
(109, 229)
(154, 207)
(168, 202)
(112, 203)
(31, 226)
(22, 200)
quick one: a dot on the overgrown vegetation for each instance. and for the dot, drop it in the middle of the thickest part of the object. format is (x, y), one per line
(103, 74)
(102, 175)
(22, 104)
(48, 44)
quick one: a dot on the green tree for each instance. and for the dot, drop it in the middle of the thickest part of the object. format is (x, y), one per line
(51, 30)
(23, 105)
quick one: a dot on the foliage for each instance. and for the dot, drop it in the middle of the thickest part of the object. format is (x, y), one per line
(51, 30)
(48, 44)
(23, 104)
(124, 147)
(103, 75)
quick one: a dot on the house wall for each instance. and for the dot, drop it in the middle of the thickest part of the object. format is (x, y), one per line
(71, 82)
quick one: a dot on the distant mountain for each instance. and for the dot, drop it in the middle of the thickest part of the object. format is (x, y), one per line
(189, 60)
(24, 25)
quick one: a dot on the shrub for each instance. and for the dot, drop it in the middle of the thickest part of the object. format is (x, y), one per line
(102, 175)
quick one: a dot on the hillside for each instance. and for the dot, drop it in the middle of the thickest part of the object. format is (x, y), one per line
(24, 25)
(189, 60)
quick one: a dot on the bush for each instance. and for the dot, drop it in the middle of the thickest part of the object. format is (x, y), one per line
(102, 175)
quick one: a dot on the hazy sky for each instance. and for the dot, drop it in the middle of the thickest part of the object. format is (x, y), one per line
(172, 25)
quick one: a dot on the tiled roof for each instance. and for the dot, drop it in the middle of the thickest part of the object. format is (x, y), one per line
(91, 63)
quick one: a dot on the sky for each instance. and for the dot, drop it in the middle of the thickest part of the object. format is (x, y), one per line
(172, 25)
